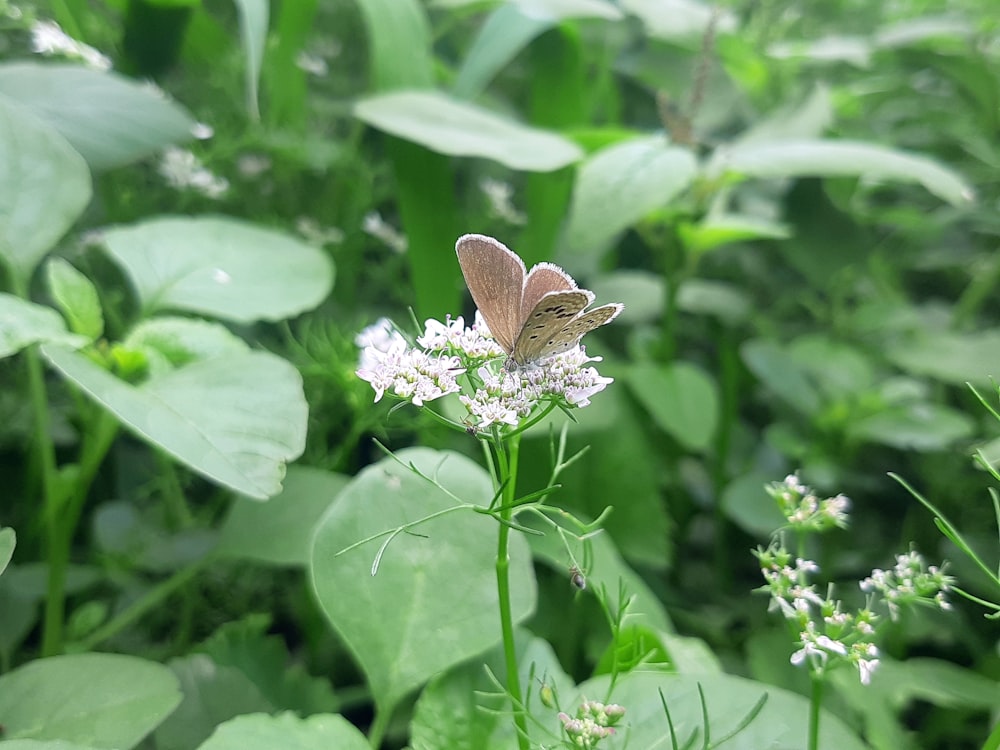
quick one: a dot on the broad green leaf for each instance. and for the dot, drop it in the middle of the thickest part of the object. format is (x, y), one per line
(124, 533)
(222, 267)
(44, 187)
(44, 745)
(103, 700)
(286, 730)
(254, 18)
(677, 19)
(8, 540)
(279, 532)
(448, 126)
(747, 504)
(910, 31)
(168, 342)
(111, 120)
(236, 420)
(920, 426)
(621, 184)
(728, 302)
(718, 230)
(948, 356)
(782, 373)
(805, 119)
(24, 323)
(680, 398)
(399, 44)
(213, 693)
(450, 711)
(76, 297)
(643, 291)
(782, 723)
(508, 31)
(937, 682)
(855, 50)
(840, 370)
(827, 158)
(432, 602)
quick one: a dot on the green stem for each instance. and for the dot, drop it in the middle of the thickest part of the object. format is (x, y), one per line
(508, 473)
(815, 701)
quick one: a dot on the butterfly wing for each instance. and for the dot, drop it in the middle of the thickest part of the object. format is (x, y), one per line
(543, 329)
(496, 277)
(580, 326)
(542, 279)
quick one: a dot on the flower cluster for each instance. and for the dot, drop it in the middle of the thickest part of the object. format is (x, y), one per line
(911, 581)
(494, 393)
(827, 634)
(183, 170)
(804, 510)
(593, 722)
(48, 38)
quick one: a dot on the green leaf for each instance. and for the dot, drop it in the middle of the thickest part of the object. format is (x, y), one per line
(122, 532)
(827, 158)
(103, 700)
(44, 187)
(236, 420)
(24, 323)
(433, 601)
(8, 540)
(746, 504)
(399, 44)
(784, 376)
(221, 267)
(680, 398)
(677, 19)
(168, 342)
(806, 119)
(621, 184)
(76, 297)
(948, 356)
(279, 532)
(450, 711)
(728, 302)
(287, 731)
(254, 17)
(725, 229)
(111, 120)
(919, 426)
(44, 745)
(448, 126)
(643, 290)
(212, 694)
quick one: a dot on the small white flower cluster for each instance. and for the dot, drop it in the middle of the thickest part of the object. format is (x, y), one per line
(496, 395)
(500, 195)
(48, 38)
(804, 510)
(911, 581)
(380, 229)
(182, 169)
(593, 722)
(827, 634)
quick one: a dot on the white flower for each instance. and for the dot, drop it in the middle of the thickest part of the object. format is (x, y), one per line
(377, 227)
(48, 38)
(182, 169)
(380, 337)
(410, 373)
(499, 195)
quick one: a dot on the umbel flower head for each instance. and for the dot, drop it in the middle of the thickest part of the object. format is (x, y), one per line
(454, 358)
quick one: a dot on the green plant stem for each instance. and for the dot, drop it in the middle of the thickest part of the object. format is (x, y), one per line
(153, 598)
(507, 455)
(815, 701)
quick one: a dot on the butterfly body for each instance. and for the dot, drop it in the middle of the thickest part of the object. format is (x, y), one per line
(533, 314)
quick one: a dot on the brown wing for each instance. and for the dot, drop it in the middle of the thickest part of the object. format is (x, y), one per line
(542, 279)
(581, 325)
(552, 314)
(495, 277)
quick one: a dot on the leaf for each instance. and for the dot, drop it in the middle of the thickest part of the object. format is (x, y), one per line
(677, 19)
(783, 375)
(169, 342)
(279, 532)
(44, 187)
(287, 731)
(212, 694)
(726, 229)
(109, 119)
(745, 503)
(448, 126)
(24, 323)
(221, 267)
(643, 290)
(433, 602)
(76, 296)
(680, 398)
(254, 18)
(8, 540)
(948, 356)
(103, 700)
(236, 420)
(621, 184)
(828, 158)
(918, 426)
(124, 533)
(805, 119)
(399, 44)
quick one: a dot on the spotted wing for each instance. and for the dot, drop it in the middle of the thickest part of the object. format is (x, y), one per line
(495, 276)
(544, 327)
(542, 279)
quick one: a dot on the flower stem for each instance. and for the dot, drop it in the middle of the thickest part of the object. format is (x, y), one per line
(815, 701)
(507, 455)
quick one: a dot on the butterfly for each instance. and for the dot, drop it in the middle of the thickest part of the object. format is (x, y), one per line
(531, 314)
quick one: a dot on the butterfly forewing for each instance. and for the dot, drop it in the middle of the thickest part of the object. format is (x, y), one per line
(543, 328)
(495, 277)
(542, 279)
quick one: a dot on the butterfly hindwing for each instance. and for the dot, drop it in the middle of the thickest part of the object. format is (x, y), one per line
(544, 326)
